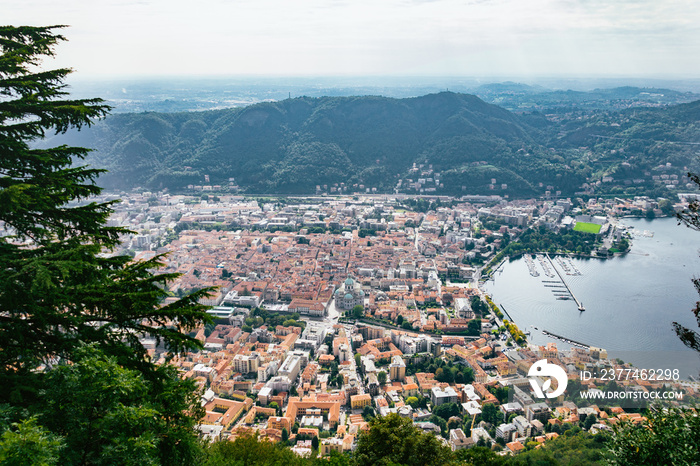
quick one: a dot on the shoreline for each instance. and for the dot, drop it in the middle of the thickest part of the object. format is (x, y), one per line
(630, 305)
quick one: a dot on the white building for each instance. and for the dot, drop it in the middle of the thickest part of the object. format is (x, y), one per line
(316, 332)
(290, 367)
(440, 396)
(279, 384)
(264, 395)
(506, 431)
(524, 427)
(463, 308)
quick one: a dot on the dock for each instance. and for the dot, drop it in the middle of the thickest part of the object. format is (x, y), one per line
(492, 273)
(566, 340)
(578, 303)
(506, 313)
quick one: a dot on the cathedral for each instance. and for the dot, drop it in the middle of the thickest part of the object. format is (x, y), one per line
(349, 295)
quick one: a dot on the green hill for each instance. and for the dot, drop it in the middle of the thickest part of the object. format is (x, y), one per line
(293, 145)
(458, 143)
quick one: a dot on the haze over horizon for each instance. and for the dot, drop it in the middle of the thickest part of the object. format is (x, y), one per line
(583, 38)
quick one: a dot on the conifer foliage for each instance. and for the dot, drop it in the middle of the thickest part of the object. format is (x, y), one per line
(64, 296)
(690, 217)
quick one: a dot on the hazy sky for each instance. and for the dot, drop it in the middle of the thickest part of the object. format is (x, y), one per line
(371, 37)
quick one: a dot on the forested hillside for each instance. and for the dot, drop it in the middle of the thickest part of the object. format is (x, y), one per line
(458, 143)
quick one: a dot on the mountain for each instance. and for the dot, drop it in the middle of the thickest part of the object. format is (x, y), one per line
(291, 146)
(443, 143)
(520, 97)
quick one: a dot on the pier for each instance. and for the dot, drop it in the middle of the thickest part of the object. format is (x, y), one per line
(566, 340)
(500, 264)
(578, 303)
(506, 313)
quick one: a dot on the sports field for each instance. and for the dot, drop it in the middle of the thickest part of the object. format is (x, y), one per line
(587, 227)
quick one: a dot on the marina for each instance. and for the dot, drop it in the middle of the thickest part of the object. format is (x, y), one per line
(636, 233)
(567, 265)
(578, 303)
(623, 299)
(532, 268)
(546, 266)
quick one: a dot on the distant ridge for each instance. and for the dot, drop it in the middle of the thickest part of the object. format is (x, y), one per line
(458, 143)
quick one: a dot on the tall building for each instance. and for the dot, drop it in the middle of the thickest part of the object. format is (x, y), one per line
(246, 363)
(397, 369)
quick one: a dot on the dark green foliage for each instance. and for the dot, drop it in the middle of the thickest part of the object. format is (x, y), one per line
(26, 443)
(541, 239)
(669, 436)
(363, 232)
(478, 306)
(491, 414)
(444, 375)
(395, 440)
(589, 421)
(573, 449)
(37, 183)
(501, 393)
(61, 291)
(250, 450)
(447, 410)
(441, 423)
(108, 414)
(293, 145)
(481, 456)
(357, 311)
(368, 413)
(60, 295)
(691, 218)
(474, 327)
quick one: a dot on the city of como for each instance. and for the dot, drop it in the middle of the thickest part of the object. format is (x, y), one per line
(378, 260)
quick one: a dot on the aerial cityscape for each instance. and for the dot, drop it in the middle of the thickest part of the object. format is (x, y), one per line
(331, 233)
(331, 310)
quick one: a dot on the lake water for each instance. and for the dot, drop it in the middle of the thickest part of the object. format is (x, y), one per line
(630, 301)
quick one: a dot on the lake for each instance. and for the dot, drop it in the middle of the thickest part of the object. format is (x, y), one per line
(631, 301)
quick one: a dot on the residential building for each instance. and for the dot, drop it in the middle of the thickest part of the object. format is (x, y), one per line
(397, 369)
(459, 441)
(440, 395)
(360, 401)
